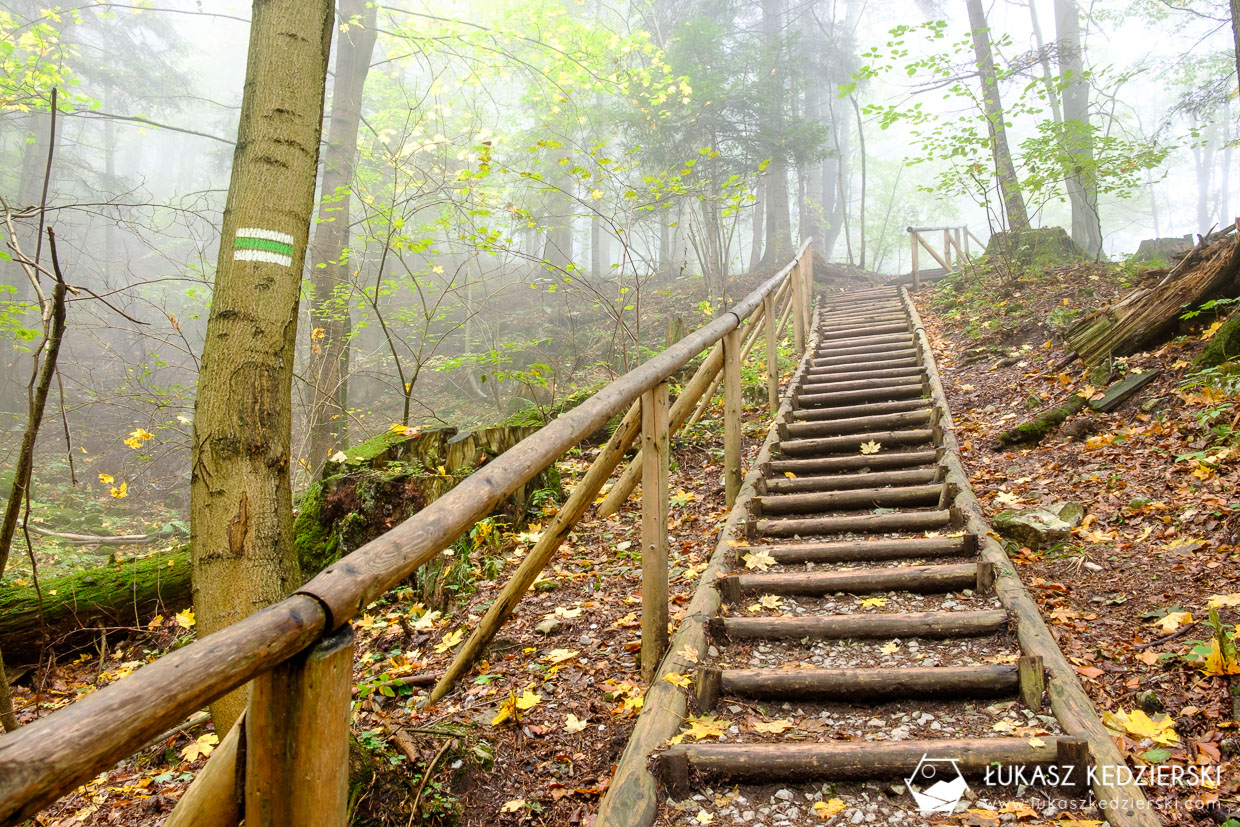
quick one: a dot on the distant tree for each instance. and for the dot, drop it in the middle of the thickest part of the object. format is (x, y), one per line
(1005, 170)
(241, 515)
(1077, 135)
(331, 259)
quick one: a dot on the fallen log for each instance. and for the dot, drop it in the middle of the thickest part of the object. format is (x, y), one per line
(1146, 313)
(1037, 428)
(76, 606)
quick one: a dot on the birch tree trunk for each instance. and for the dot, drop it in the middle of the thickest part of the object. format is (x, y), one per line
(1082, 183)
(778, 215)
(241, 516)
(1005, 170)
(330, 263)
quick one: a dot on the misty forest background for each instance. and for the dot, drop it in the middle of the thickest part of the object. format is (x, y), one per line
(519, 199)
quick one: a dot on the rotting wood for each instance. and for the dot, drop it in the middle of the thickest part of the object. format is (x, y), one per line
(1032, 681)
(1125, 803)
(1123, 390)
(876, 625)
(1037, 428)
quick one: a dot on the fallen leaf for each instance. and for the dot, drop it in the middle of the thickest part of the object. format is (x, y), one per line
(759, 560)
(677, 679)
(704, 817)
(871, 447)
(573, 724)
(873, 602)
(513, 805)
(449, 641)
(185, 618)
(201, 747)
(1172, 621)
(772, 727)
(826, 809)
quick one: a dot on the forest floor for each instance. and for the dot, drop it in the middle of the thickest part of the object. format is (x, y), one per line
(564, 670)
(533, 734)
(1128, 596)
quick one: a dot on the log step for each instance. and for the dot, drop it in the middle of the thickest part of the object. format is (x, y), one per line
(857, 424)
(834, 346)
(861, 353)
(854, 367)
(939, 579)
(851, 443)
(851, 361)
(890, 394)
(843, 482)
(886, 684)
(829, 375)
(860, 760)
(872, 329)
(871, 383)
(861, 321)
(829, 465)
(849, 500)
(854, 551)
(858, 523)
(846, 411)
(936, 625)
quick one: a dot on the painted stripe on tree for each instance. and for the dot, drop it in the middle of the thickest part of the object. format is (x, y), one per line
(269, 246)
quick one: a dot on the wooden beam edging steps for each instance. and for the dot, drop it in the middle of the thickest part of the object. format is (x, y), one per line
(632, 798)
(1126, 805)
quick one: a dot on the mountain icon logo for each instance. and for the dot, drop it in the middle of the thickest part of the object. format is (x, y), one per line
(941, 782)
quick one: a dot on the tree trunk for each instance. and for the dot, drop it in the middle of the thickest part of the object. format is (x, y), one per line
(241, 514)
(778, 245)
(1235, 33)
(811, 175)
(1082, 182)
(759, 211)
(330, 260)
(1009, 186)
(1048, 77)
(598, 247)
(861, 215)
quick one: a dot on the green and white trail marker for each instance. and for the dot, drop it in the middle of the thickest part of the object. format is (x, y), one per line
(253, 244)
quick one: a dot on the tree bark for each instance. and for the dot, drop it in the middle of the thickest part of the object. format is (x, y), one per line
(1005, 170)
(1082, 183)
(331, 261)
(241, 515)
(759, 216)
(1235, 33)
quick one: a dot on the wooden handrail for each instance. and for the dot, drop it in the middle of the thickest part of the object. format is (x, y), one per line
(47, 758)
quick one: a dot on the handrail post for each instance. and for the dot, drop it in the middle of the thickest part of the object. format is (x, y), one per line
(772, 353)
(916, 271)
(962, 236)
(798, 308)
(732, 415)
(947, 248)
(297, 738)
(655, 438)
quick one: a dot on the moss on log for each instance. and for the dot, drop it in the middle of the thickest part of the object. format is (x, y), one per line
(1223, 346)
(1036, 429)
(117, 596)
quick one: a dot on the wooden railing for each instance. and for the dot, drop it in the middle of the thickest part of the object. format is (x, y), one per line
(953, 238)
(285, 762)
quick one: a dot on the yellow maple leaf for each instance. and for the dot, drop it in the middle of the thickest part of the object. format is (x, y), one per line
(449, 641)
(507, 709)
(790, 475)
(106, 479)
(137, 437)
(759, 560)
(1172, 621)
(1218, 601)
(1209, 332)
(873, 602)
(1160, 728)
(528, 699)
(826, 809)
(185, 619)
(560, 655)
(705, 727)
(889, 648)
(772, 727)
(1215, 665)
(512, 806)
(677, 679)
(573, 724)
(871, 447)
(704, 817)
(121, 491)
(201, 747)
(770, 601)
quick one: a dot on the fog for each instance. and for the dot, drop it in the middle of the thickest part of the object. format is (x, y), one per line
(539, 186)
